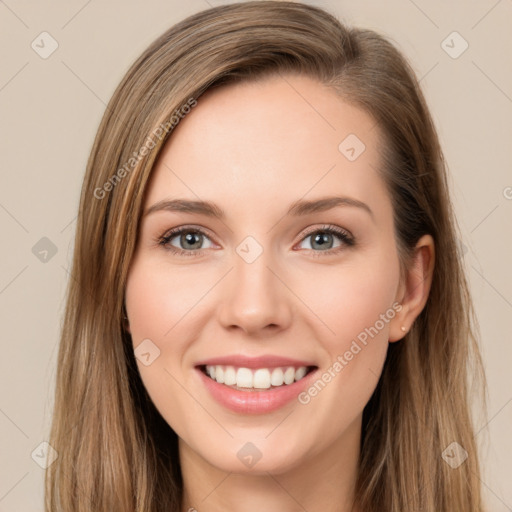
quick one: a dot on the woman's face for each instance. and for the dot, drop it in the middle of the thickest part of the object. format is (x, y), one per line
(267, 279)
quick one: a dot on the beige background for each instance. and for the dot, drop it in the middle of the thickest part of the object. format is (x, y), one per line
(50, 110)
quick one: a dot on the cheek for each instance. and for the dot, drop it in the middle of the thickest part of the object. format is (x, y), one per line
(351, 298)
(156, 303)
(158, 300)
(160, 308)
(357, 304)
(358, 309)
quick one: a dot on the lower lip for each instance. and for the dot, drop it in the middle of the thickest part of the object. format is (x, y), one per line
(255, 402)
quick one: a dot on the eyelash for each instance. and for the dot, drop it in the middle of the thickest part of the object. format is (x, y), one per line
(342, 235)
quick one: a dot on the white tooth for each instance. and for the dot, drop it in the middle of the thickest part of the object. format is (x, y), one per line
(300, 372)
(229, 376)
(289, 375)
(277, 377)
(244, 378)
(219, 374)
(262, 379)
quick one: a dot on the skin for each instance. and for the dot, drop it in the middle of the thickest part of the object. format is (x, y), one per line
(253, 149)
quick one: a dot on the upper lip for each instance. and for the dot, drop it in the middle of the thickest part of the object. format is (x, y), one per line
(264, 361)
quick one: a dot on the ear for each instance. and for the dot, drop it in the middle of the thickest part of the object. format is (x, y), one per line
(415, 288)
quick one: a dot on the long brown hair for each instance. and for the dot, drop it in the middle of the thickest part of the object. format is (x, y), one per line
(115, 451)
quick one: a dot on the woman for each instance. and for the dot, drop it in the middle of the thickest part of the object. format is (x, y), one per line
(267, 309)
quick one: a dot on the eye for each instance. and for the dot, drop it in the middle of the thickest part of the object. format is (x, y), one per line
(324, 238)
(190, 240)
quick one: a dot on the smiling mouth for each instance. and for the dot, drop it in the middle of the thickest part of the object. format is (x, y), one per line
(259, 379)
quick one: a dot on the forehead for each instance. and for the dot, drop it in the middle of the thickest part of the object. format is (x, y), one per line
(269, 142)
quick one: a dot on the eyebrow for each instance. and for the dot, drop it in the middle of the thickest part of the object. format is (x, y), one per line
(297, 208)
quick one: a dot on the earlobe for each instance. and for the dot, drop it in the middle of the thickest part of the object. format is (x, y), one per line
(414, 294)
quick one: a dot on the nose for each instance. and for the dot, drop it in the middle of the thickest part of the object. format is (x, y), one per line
(255, 299)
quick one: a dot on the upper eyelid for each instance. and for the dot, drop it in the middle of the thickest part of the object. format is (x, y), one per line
(176, 231)
(326, 227)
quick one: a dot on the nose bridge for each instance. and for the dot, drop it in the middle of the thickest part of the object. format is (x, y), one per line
(253, 277)
(255, 297)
